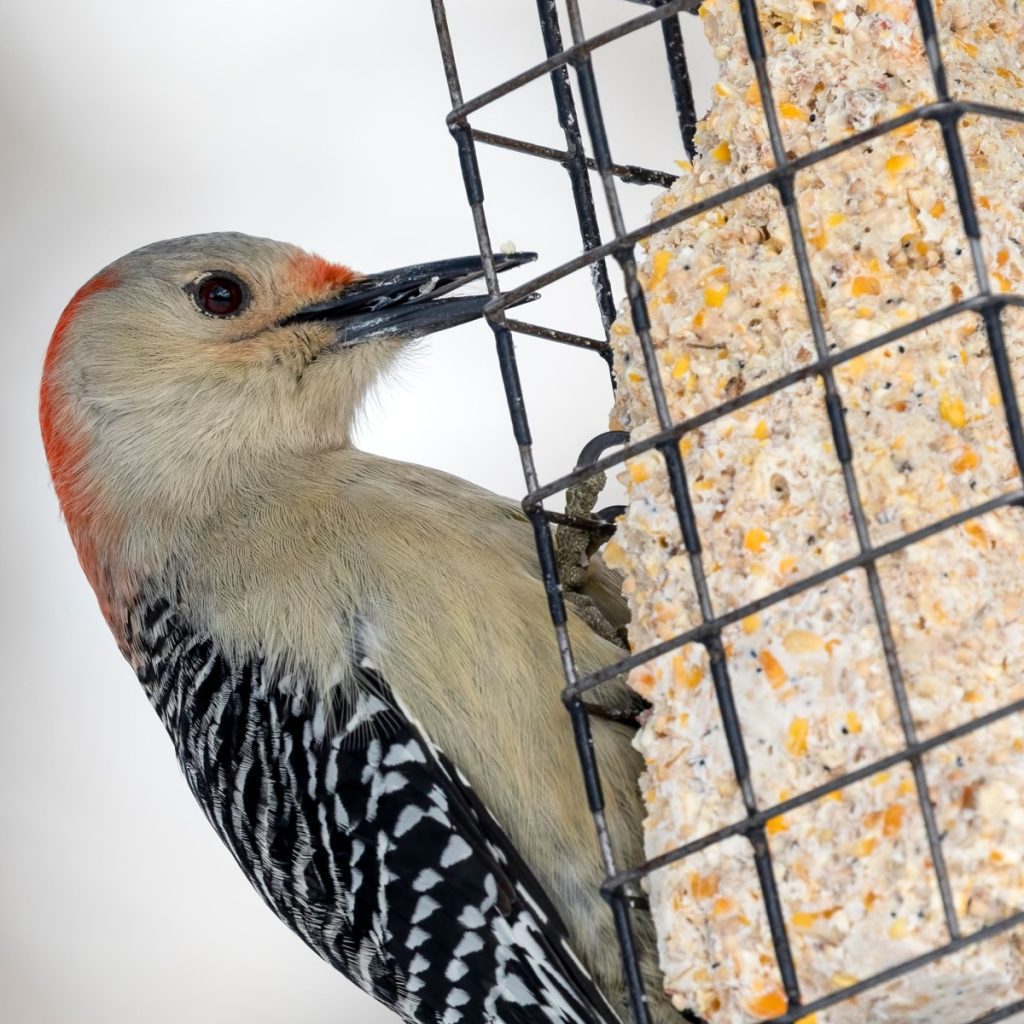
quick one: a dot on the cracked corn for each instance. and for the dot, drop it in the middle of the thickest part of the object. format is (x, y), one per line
(925, 418)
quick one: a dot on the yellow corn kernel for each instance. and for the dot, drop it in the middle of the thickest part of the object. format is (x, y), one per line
(984, 203)
(802, 919)
(835, 219)
(951, 409)
(1001, 257)
(979, 538)
(751, 623)
(865, 846)
(857, 366)
(792, 38)
(1005, 285)
(698, 320)
(1008, 74)
(796, 738)
(775, 673)
(704, 886)
(755, 539)
(811, 1018)
(853, 722)
(686, 675)
(768, 1004)
(722, 906)
(842, 980)
(642, 680)
(938, 209)
(614, 555)
(621, 328)
(881, 778)
(680, 367)
(685, 445)
(714, 295)
(898, 929)
(722, 153)
(793, 112)
(820, 240)
(836, 795)
(775, 825)
(659, 264)
(802, 641)
(899, 162)
(865, 286)
(969, 48)
(906, 787)
(892, 820)
(638, 472)
(761, 431)
(753, 93)
(724, 89)
(787, 564)
(967, 460)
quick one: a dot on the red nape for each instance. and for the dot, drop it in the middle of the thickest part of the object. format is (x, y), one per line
(47, 398)
(59, 449)
(317, 275)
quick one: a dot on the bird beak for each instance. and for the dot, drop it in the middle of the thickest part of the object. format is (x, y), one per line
(408, 302)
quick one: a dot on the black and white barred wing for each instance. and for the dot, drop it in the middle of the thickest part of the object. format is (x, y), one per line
(456, 911)
(362, 837)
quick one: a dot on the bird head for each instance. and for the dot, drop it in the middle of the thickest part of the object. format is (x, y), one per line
(181, 366)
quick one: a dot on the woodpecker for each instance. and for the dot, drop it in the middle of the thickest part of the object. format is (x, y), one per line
(352, 656)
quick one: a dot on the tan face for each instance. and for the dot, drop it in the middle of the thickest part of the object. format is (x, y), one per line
(203, 365)
(173, 372)
(198, 322)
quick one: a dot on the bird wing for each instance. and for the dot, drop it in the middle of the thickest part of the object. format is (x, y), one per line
(361, 835)
(457, 915)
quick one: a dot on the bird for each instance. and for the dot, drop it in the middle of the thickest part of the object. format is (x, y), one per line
(351, 655)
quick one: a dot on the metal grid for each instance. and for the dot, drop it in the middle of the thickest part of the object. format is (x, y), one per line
(621, 885)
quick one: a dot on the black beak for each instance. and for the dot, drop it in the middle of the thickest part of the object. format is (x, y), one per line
(408, 302)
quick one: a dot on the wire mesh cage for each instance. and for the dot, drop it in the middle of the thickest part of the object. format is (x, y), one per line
(588, 156)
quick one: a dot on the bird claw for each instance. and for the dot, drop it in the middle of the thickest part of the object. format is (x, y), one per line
(588, 611)
(576, 545)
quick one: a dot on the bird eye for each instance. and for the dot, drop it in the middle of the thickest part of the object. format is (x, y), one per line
(220, 295)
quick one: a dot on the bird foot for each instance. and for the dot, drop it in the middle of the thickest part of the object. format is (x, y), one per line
(576, 545)
(588, 611)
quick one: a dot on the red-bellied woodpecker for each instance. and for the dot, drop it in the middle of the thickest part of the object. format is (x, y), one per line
(352, 655)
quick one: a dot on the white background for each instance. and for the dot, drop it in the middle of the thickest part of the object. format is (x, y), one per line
(321, 124)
